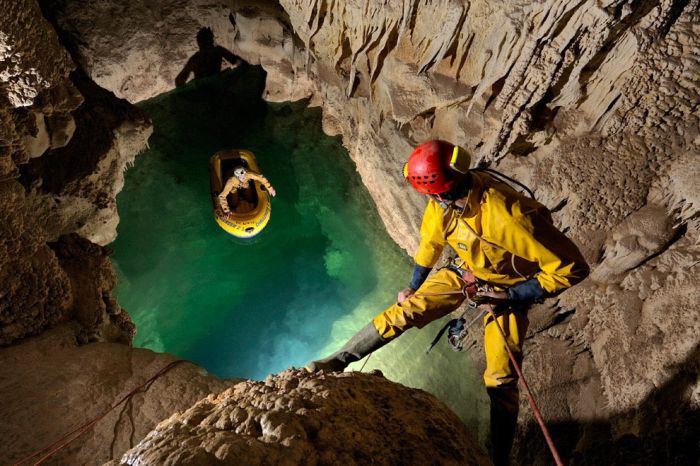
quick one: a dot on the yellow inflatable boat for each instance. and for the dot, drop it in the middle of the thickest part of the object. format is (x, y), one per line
(250, 210)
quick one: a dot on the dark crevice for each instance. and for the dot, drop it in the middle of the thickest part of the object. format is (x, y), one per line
(465, 54)
(564, 20)
(610, 107)
(521, 146)
(388, 48)
(496, 89)
(575, 49)
(674, 13)
(342, 66)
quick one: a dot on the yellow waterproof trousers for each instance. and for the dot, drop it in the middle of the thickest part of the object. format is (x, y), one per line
(500, 377)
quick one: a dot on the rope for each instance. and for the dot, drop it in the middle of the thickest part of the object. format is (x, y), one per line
(80, 430)
(500, 176)
(530, 396)
(462, 291)
(365, 363)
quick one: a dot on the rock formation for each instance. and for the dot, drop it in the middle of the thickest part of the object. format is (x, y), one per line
(53, 379)
(58, 178)
(64, 144)
(594, 104)
(297, 418)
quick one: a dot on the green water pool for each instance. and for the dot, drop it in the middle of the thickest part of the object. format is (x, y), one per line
(322, 268)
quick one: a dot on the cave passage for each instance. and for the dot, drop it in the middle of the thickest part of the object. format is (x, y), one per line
(320, 270)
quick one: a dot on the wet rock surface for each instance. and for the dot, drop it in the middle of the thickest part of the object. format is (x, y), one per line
(304, 419)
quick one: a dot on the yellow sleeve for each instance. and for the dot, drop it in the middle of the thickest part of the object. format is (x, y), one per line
(531, 235)
(261, 179)
(222, 197)
(432, 236)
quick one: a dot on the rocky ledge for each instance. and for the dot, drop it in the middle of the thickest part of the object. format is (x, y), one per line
(296, 418)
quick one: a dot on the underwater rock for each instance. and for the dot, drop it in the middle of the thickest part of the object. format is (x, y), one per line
(322, 419)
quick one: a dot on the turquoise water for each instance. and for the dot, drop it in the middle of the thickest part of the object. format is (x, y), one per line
(322, 268)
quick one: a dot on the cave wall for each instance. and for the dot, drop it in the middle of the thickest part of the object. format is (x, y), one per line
(65, 353)
(324, 419)
(46, 111)
(594, 104)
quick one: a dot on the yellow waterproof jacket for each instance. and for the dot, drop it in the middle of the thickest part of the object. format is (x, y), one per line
(503, 237)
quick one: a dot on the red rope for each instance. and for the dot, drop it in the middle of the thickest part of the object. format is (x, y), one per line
(530, 396)
(80, 430)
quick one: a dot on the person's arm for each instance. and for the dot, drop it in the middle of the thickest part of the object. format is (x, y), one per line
(222, 197)
(432, 236)
(263, 180)
(181, 78)
(229, 56)
(419, 275)
(431, 245)
(533, 237)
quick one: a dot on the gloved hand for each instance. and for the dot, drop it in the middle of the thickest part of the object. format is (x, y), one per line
(492, 296)
(405, 294)
(273, 193)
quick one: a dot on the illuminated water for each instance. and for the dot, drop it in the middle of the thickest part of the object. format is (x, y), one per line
(322, 268)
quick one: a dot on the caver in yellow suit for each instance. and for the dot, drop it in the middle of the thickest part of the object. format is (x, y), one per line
(506, 240)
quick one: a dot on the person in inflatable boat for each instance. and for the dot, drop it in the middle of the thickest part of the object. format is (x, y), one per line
(241, 180)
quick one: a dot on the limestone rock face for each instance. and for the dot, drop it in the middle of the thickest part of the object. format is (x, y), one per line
(142, 64)
(49, 385)
(35, 290)
(64, 144)
(31, 59)
(303, 419)
(73, 188)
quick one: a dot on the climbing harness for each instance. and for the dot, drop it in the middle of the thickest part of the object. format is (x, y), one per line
(73, 435)
(456, 328)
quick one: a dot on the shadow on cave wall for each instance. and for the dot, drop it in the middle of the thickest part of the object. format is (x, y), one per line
(208, 60)
(663, 430)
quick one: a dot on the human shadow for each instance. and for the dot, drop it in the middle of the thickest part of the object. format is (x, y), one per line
(208, 60)
(663, 430)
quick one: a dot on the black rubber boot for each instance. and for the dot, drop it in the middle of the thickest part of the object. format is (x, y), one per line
(504, 421)
(503, 425)
(360, 345)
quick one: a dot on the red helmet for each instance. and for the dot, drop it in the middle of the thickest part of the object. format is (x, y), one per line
(435, 167)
